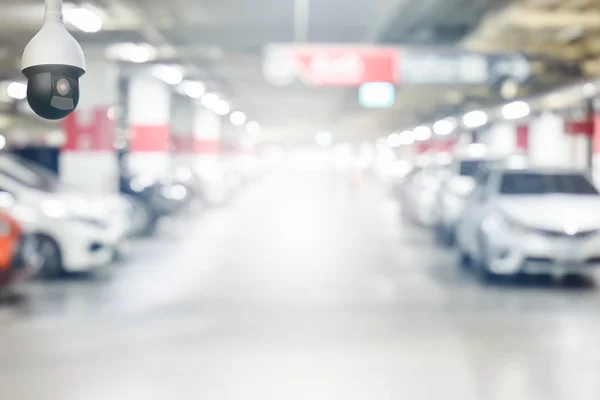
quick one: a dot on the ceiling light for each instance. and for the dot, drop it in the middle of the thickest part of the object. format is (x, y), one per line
(192, 89)
(394, 140)
(132, 52)
(444, 127)
(83, 19)
(323, 139)
(408, 137)
(422, 133)
(237, 118)
(17, 90)
(2, 142)
(222, 108)
(253, 128)
(168, 74)
(139, 54)
(475, 119)
(210, 100)
(589, 90)
(515, 110)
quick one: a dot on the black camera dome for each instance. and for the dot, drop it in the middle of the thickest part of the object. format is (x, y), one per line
(53, 90)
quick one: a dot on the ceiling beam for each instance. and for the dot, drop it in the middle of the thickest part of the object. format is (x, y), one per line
(541, 19)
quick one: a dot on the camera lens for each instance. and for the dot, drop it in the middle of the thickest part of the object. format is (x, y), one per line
(63, 87)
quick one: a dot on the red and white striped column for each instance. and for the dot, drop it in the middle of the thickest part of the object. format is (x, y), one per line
(149, 112)
(207, 131)
(88, 159)
(507, 137)
(182, 139)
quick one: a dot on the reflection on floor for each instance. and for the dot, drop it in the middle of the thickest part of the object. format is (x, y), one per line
(298, 290)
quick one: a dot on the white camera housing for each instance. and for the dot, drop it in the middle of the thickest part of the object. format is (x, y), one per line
(53, 62)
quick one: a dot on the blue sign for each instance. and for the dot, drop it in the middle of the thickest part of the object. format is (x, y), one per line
(377, 95)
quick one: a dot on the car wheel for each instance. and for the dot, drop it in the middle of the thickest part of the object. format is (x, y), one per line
(464, 260)
(50, 257)
(444, 236)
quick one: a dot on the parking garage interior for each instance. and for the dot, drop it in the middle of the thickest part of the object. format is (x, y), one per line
(305, 199)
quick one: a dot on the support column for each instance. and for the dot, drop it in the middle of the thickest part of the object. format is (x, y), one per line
(548, 145)
(579, 129)
(207, 142)
(88, 159)
(149, 108)
(596, 150)
(501, 138)
(182, 139)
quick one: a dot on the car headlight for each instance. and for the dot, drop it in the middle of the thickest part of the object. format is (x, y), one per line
(55, 208)
(501, 223)
(59, 209)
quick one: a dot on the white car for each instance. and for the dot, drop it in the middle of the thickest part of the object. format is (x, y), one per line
(456, 188)
(74, 231)
(419, 192)
(531, 221)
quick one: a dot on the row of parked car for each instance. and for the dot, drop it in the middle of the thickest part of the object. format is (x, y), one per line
(505, 217)
(48, 229)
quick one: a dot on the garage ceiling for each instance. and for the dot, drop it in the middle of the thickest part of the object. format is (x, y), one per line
(223, 39)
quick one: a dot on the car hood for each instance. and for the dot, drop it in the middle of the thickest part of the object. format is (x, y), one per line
(554, 211)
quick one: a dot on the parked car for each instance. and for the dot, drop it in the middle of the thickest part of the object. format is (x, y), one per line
(74, 231)
(419, 192)
(153, 198)
(531, 221)
(18, 259)
(455, 189)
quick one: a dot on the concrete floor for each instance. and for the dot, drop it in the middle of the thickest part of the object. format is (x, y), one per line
(298, 291)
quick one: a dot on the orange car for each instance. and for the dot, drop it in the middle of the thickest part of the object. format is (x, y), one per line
(16, 258)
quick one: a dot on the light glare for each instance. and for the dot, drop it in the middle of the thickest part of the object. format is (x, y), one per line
(475, 119)
(84, 19)
(17, 90)
(515, 110)
(422, 133)
(222, 108)
(253, 128)
(238, 118)
(323, 139)
(444, 127)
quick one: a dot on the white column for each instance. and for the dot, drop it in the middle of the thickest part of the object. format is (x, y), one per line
(149, 107)
(500, 138)
(88, 159)
(549, 146)
(182, 139)
(207, 130)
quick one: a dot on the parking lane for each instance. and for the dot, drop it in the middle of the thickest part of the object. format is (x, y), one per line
(299, 290)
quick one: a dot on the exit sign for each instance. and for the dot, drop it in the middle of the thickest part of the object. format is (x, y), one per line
(377, 95)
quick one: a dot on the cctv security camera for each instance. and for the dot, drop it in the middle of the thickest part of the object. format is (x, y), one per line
(53, 62)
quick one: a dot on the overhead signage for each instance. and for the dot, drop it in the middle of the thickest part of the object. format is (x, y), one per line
(324, 65)
(352, 66)
(377, 95)
(451, 66)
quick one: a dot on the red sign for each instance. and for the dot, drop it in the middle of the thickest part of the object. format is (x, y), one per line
(331, 65)
(96, 135)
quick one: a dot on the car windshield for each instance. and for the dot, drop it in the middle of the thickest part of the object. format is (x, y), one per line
(472, 167)
(28, 174)
(531, 183)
